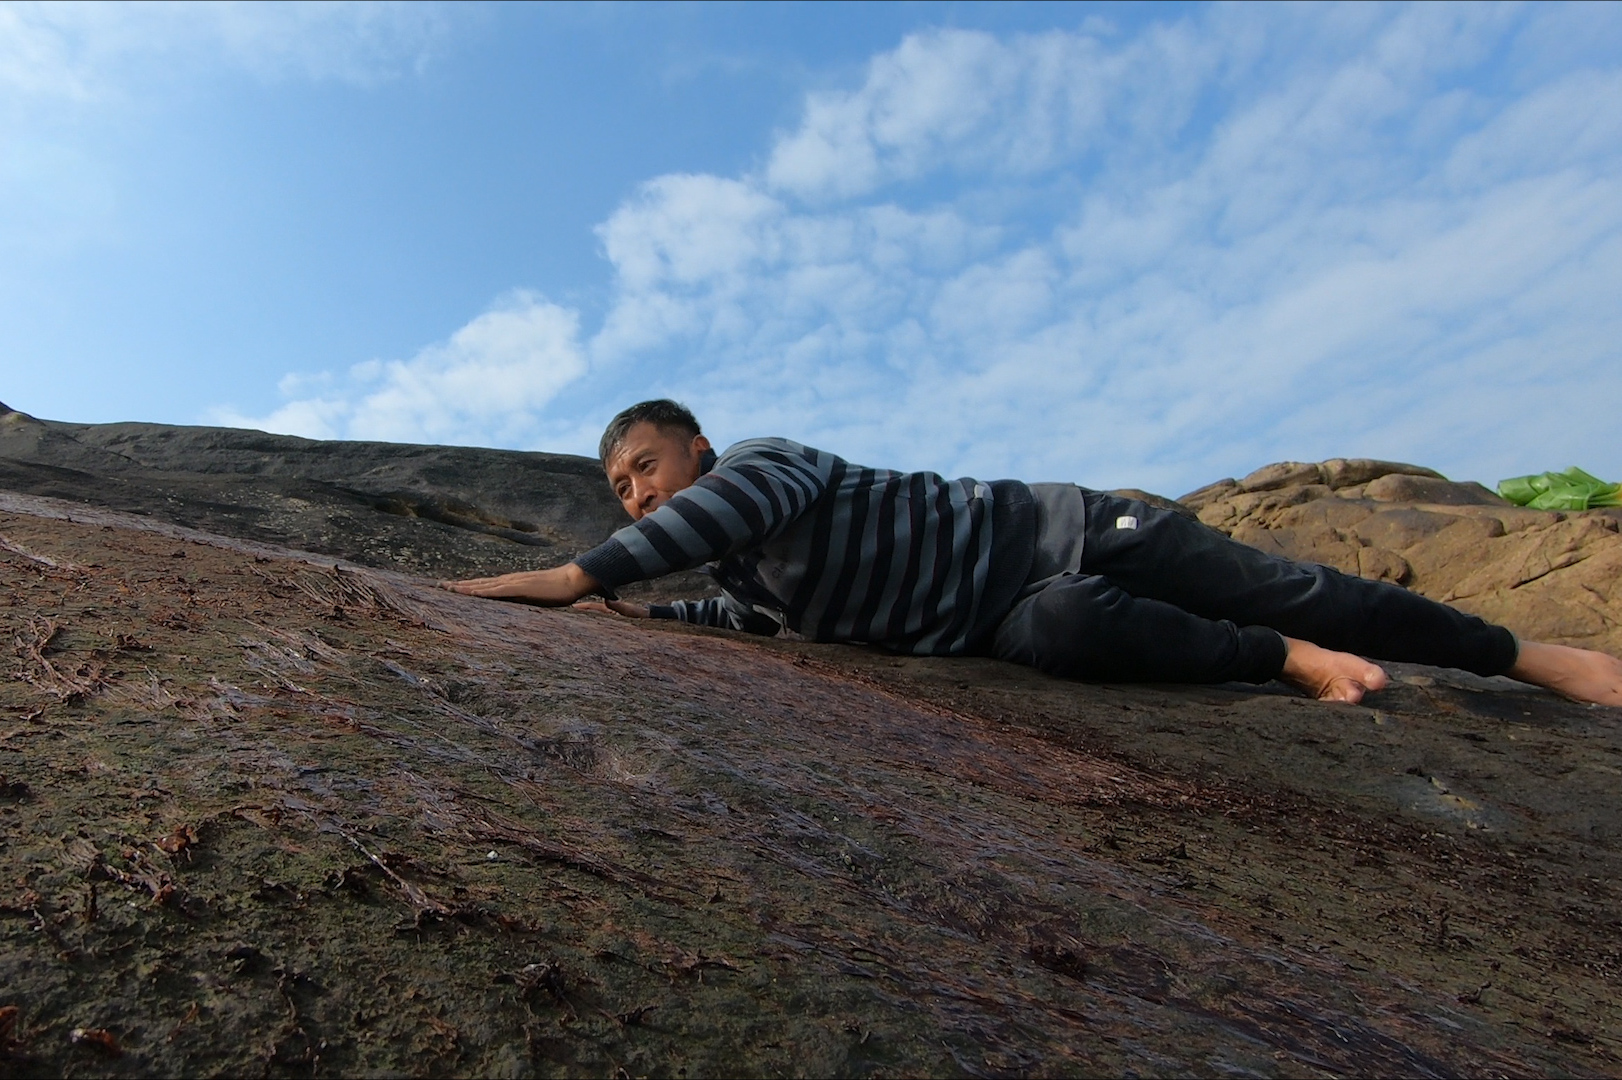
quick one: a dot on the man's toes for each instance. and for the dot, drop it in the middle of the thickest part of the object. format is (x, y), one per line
(1374, 678)
(1343, 688)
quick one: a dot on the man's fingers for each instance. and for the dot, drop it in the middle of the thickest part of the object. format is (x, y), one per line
(475, 587)
(614, 607)
(468, 585)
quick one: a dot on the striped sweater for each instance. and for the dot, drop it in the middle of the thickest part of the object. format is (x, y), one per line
(835, 551)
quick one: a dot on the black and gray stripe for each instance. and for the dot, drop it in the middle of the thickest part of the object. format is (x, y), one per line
(834, 551)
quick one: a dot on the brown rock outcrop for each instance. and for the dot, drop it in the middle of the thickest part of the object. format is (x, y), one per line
(1547, 575)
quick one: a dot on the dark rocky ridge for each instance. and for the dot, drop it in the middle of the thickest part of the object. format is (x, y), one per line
(442, 511)
(249, 802)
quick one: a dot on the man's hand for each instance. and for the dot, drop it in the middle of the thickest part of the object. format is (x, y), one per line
(550, 588)
(615, 607)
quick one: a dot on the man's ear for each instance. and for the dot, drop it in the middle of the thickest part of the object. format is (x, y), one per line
(700, 444)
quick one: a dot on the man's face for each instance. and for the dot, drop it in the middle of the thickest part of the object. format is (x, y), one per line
(651, 465)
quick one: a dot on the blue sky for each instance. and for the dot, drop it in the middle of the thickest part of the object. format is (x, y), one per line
(1123, 245)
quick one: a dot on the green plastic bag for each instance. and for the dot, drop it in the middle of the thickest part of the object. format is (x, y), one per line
(1569, 490)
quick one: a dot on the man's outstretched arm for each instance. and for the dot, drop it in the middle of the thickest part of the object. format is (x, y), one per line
(549, 588)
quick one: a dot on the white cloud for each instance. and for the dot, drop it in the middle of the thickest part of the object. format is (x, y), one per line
(89, 49)
(943, 97)
(308, 418)
(685, 230)
(486, 384)
(1246, 235)
(1254, 233)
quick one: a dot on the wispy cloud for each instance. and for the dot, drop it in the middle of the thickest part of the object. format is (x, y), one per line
(90, 49)
(488, 383)
(1152, 258)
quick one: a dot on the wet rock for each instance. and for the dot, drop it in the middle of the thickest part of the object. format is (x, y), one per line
(1152, 499)
(1398, 487)
(1379, 564)
(1282, 474)
(266, 848)
(1336, 473)
(1199, 497)
(1340, 473)
(298, 818)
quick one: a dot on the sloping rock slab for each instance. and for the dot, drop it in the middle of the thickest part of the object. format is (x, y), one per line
(264, 813)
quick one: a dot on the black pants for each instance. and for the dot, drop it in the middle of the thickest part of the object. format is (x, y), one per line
(1172, 600)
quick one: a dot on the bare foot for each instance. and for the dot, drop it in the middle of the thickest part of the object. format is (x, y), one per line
(1579, 674)
(1330, 676)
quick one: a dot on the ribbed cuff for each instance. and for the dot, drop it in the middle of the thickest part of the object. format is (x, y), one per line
(1501, 649)
(610, 564)
(1261, 655)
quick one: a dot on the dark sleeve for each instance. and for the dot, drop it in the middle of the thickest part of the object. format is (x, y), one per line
(725, 611)
(755, 491)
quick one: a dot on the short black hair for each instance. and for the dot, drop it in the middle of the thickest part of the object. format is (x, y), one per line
(662, 413)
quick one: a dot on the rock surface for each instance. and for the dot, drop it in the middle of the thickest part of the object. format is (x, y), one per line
(269, 813)
(441, 511)
(1547, 575)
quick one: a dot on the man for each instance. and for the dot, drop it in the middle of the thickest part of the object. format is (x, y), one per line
(1077, 583)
